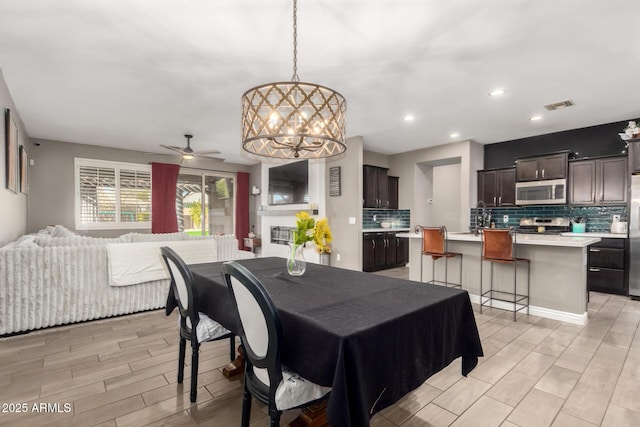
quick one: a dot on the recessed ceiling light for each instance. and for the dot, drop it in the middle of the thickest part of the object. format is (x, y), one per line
(535, 118)
(496, 92)
(454, 135)
(409, 118)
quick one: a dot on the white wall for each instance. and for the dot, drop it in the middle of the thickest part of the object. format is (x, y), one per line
(13, 206)
(446, 203)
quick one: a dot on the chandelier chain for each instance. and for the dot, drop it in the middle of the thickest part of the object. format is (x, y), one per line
(295, 77)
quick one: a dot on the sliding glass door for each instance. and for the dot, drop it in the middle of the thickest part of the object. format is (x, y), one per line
(205, 203)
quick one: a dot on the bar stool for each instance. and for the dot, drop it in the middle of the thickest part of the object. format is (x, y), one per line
(434, 244)
(498, 246)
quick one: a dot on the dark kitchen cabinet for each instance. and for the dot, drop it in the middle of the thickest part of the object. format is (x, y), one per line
(598, 182)
(382, 250)
(634, 157)
(402, 251)
(497, 187)
(607, 269)
(393, 187)
(376, 187)
(551, 166)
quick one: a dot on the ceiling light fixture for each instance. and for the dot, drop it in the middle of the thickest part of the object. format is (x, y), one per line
(535, 118)
(409, 118)
(293, 119)
(496, 92)
(454, 135)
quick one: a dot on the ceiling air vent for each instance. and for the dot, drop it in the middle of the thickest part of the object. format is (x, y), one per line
(559, 105)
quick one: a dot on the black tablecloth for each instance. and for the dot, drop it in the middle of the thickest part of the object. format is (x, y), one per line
(371, 338)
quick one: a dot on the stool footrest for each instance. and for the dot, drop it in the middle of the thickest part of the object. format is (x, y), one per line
(488, 297)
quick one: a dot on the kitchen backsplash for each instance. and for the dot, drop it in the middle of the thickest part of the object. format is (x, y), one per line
(599, 218)
(400, 218)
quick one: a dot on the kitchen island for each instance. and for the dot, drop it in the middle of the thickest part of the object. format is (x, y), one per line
(558, 280)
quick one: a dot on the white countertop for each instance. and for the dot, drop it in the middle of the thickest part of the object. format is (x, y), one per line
(572, 241)
(379, 230)
(603, 234)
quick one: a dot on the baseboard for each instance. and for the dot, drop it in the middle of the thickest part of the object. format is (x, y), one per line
(563, 316)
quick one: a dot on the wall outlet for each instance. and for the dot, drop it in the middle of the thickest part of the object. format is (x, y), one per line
(352, 220)
(338, 257)
(505, 218)
(375, 218)
(616, 218)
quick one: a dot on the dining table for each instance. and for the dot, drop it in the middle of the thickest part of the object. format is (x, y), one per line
(371, 338)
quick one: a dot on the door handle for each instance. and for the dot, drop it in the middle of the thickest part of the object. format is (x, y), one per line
(543, 172)
(494, 201)
(500, 201)
(594, 250)
(595, 270)
(373, 244)
(536, 173)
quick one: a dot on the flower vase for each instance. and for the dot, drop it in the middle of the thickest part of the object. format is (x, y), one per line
(296, 264)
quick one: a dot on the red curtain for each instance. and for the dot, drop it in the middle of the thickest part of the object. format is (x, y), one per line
(242, 208)
(164, 180)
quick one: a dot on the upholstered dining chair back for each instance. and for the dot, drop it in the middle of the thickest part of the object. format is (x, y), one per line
(182, 282)
(434, 241)
(497, 244)
(196, 327)
(259, 328)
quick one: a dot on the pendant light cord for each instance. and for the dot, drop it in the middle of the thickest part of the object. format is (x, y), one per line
(295, 77)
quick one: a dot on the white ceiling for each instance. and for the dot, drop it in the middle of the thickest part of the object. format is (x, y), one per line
(138, 73)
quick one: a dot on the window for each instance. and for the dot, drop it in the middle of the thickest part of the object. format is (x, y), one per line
(213, 191)
(112, 195)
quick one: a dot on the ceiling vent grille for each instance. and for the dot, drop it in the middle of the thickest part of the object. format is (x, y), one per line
(559, 105)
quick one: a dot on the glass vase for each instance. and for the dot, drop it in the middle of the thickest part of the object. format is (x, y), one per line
(296, 264)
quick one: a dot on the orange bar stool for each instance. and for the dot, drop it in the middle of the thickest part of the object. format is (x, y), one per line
(434, 244)
(498, 246)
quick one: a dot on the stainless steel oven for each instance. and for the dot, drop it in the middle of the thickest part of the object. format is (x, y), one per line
(549, 192)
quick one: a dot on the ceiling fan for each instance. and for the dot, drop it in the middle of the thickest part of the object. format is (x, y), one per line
(188, 153)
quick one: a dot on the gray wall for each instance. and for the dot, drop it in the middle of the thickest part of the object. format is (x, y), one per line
(347, 238)
(52, 186)
(13, 206)
(416, 178)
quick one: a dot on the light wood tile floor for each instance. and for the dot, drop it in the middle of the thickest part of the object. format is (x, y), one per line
(122, 372)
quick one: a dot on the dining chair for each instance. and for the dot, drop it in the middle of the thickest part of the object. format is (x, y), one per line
(435, 245)
(498, 246)
(194, 326)
(260, 331)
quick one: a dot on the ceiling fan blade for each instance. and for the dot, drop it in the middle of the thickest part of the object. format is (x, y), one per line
(207, 152)
(210, 157)
(172, 148)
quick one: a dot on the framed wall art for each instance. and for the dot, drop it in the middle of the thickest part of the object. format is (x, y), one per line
(24, 165)
(11, 144)
(334, 181)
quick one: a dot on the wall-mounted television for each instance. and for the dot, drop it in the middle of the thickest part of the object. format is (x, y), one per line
(289, 184)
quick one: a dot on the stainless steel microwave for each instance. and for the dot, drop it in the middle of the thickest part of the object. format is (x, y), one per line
(549, 192)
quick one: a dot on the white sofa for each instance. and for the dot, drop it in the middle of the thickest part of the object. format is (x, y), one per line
(55, 277)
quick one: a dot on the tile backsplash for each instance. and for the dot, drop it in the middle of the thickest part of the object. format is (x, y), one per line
(599, 218)
(400, 218)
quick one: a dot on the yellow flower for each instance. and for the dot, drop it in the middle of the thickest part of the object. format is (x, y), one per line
(322, 236)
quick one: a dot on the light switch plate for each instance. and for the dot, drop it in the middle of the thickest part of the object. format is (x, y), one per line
(616, 218)
(505, 218)
(352, 220)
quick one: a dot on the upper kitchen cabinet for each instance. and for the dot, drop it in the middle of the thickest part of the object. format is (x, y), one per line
(551, 166)
(598, 181)
(634, 157)
(497, 187)
(376, 187)
(393, 183)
